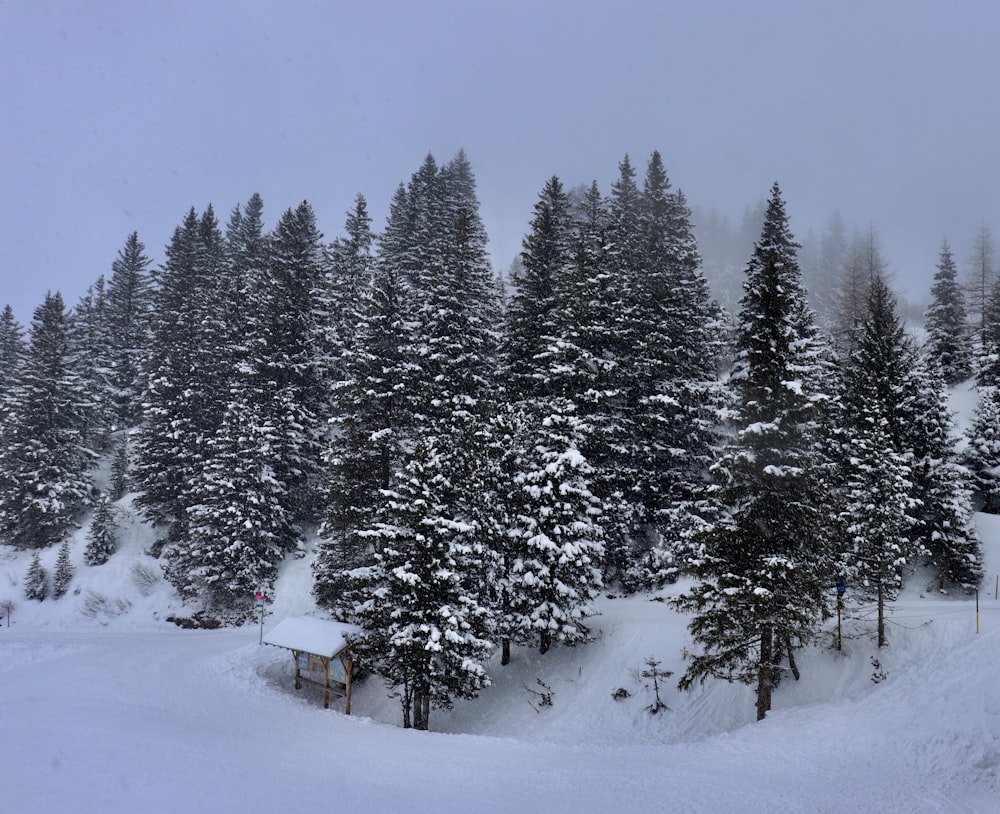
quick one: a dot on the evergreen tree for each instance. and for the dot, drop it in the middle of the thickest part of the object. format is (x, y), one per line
(241, 528)
(944, 527)
(947, 336)
(370, 427)
(503, 442)
(292, 365)
(671, 386)
(862, 265)
(878, 371)
(822, 283)
(988, 361)
(425, 631)
(556, 569)
(12, 353)
(36, 581)
(982, 274)
(44, 461)
(187, 375)
(546, 264)
(64, 572)
(128, 315)
(982, 455)
(764, 563)
(119, 469)
(90, 341)
(102, 535)
(878, 512)
(350, 262)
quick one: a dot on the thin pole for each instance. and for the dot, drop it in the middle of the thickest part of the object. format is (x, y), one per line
(977, 610)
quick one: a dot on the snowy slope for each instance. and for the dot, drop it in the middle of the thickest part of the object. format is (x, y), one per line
(126, 713)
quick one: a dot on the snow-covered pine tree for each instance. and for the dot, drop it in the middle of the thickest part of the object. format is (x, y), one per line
(879, 366)
(558, 554)
(90, 341)
(862, 264)
(878, 512)
(672, 387)
(128, 314)
(294, 316)
(982, 454)
(63, 574)
(44, 461)
(371, 423)
(102, 536)
(425, 631)
(763, 565)
(546, 263)
(503, 443)
(988, 357)
(947, 331)
(240, 529)
(36, 581)
(350, 262)
(943, 527)
(12, 353)
(187, 374)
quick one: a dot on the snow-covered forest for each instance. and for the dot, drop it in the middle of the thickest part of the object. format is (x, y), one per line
(469, 463)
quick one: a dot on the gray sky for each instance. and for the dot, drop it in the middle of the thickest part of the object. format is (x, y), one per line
(118, 115)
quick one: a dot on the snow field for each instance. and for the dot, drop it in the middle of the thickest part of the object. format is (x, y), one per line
(128, 713)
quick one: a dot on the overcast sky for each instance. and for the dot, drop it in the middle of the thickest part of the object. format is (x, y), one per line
(117, 116)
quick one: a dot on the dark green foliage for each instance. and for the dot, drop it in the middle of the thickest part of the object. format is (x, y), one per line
(988, 362)
(102, 539)
(982, 455)
(36, 581)
(947, 333)
(63, 573)
(425, 631)
(12, 353)
(941, 488)
(762, 565)
(187, 376)
(128, 312)
(44, 460)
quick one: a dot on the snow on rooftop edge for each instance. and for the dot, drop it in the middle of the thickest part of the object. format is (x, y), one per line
(307, 634)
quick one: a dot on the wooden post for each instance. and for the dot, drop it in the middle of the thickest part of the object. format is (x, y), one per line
(298, 674)
(326, 685)
(348, 670)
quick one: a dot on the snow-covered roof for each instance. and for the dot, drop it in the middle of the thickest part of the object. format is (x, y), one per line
(309, 635)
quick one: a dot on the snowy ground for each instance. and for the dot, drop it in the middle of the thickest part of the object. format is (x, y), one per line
(109, 710)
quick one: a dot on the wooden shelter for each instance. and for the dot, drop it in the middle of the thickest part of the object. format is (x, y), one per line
(318, 646)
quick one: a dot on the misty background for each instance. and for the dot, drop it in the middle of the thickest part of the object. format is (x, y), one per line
(118, 117)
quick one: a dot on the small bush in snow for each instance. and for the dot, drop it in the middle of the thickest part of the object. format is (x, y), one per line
(144, 577)
(7, 609)
(95, 603)
(654, 672)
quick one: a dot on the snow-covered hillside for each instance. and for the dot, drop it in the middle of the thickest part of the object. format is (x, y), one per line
(107, 707)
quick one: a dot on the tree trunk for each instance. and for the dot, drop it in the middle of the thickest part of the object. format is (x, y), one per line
(791, 656)
(881, 614)
(544, 642)
(765, 680)
(505, 652)
(407, 700)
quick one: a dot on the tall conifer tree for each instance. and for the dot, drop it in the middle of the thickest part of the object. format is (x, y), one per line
(763, 565)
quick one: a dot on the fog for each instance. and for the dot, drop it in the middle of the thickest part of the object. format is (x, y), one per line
(117, 117)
